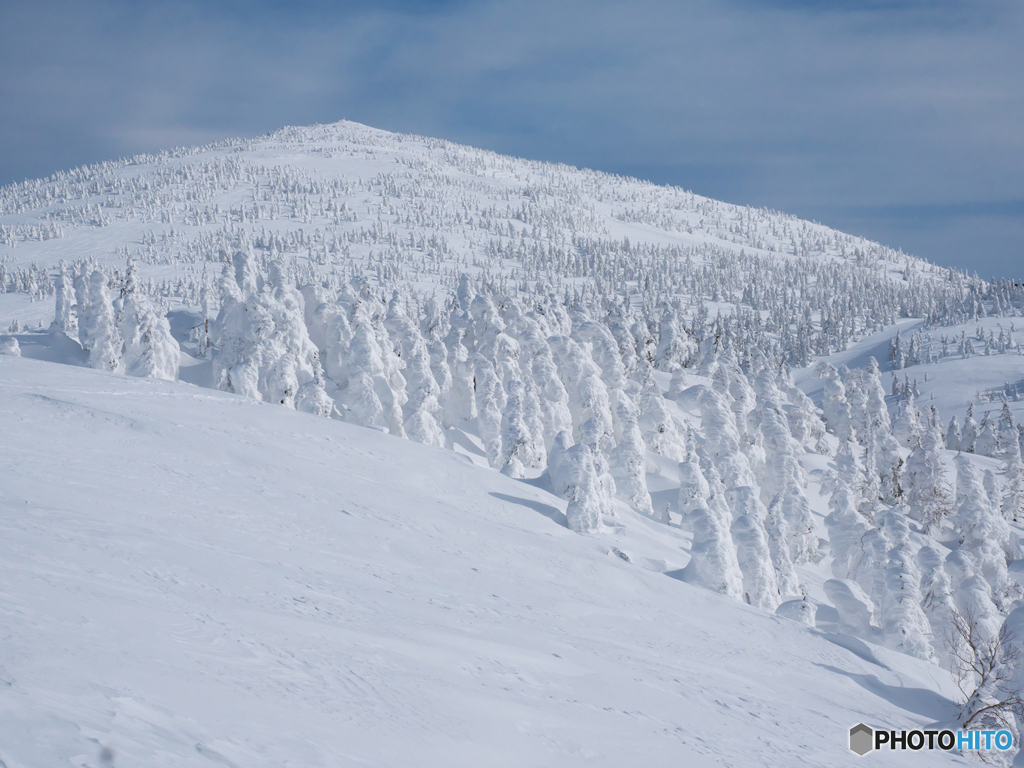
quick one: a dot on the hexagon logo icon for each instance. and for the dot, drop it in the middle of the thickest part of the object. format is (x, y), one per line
(862, 739)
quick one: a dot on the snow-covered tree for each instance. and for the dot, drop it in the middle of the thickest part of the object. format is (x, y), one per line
(694, 489)
(539, 365)
(81, 286)
(65, 318)
(987, 443)
(783, 479)
(261, 344)
(837, 409)
(907, 427)
(459, 402)
(491, 400)
(936, 596)
(805, 421)
(760, 581)
(889, 467)
(421, 411)
(928, 497)
(520, 447)
(875, 411)
(659, 428)
(953, 435)
(1012, 503)
(779, 543)
(675, 346)
(713, 562)
(150, 351)
(9, 346)
(846, 530)
(574, 476)
(99, 327)
(312, 396)
(628, 462)
(969, 434)
(1007, 438)
(904, 622)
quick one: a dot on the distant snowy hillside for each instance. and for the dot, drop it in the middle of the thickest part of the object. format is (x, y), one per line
(815, 430)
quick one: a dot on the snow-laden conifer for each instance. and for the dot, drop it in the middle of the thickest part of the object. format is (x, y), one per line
(312, 396)
(904, 622)
(805, 421)
(421, 411)
(521, 448)
(875, 411)
(65, 318)
(952, 440)
(150, 351)
(987, 443)
(661, 431)
(1012, 502)
(975, 519)
(907, 427)
(760, 582)
(936, 595)
(574, 476)
(838, 418)
(694, 490)
(539, 365)
(846, 530)
(459, 402)
(783, 479)
(490, 401)
(722, 440)
(81, 286)
(969, 433)
(713, 560)
(675, 345)
(627, 461)
(99, 326)
(779, 542)
(928, 497)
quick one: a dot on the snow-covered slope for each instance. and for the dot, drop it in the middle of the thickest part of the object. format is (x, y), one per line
(192, 579)
(349, 197)
(745, 414)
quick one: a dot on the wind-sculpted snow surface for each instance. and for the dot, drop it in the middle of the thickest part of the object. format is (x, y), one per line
(195, 579)
(705, 373)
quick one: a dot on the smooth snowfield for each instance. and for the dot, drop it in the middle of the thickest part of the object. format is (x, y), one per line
(188, 578)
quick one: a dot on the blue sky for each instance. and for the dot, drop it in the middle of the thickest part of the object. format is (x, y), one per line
(902, 120)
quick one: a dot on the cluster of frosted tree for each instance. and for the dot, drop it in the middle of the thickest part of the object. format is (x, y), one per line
(920, 348)
(550, 384)
(891, 506)
(784, 308)
(742, 490)
(122, 333)
(998, 437)
(34, 281)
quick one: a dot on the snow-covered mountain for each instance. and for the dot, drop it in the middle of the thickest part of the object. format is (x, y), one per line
(733, 513)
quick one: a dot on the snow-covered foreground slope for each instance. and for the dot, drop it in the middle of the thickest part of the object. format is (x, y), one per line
(190, 578)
